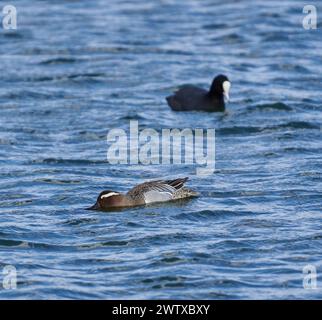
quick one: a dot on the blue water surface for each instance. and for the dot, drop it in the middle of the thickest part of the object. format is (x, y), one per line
(73, 70)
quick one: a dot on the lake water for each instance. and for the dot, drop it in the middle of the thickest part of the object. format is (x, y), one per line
(73, 70)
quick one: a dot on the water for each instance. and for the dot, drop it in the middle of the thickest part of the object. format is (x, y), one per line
(76, 69)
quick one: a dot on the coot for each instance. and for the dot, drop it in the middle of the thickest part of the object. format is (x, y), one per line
(190, 97)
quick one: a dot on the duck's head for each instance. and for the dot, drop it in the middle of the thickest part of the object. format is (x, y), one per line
(220, 87)
(106, 199)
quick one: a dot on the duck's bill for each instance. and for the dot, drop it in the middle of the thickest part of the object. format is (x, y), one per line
(96, 206)
(226, 95)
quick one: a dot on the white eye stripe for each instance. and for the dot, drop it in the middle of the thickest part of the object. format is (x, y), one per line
(109, 195)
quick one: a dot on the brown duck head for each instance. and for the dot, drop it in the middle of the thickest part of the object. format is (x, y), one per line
(108, 199)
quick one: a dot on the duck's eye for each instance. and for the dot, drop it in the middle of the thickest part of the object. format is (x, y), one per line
(109, 195)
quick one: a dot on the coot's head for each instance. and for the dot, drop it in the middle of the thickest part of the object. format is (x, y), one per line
(105, 200)
(220, 87)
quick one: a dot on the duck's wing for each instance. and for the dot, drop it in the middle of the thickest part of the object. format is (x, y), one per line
(177, 183)
(187, 97)
(157, 191)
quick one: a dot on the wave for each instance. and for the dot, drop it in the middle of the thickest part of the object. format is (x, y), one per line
(27, 244)
(59, 60)
(111, 243)
(256, 129)
(93, 76)
(66, 161)
(270, 106)
(26, 94)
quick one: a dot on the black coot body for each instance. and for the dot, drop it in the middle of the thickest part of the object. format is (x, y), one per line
(189, 97)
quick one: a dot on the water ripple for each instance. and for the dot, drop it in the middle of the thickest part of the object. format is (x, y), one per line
(257, 221)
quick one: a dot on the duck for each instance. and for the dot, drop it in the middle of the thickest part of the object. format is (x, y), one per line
(144, 193)
(190, 97)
